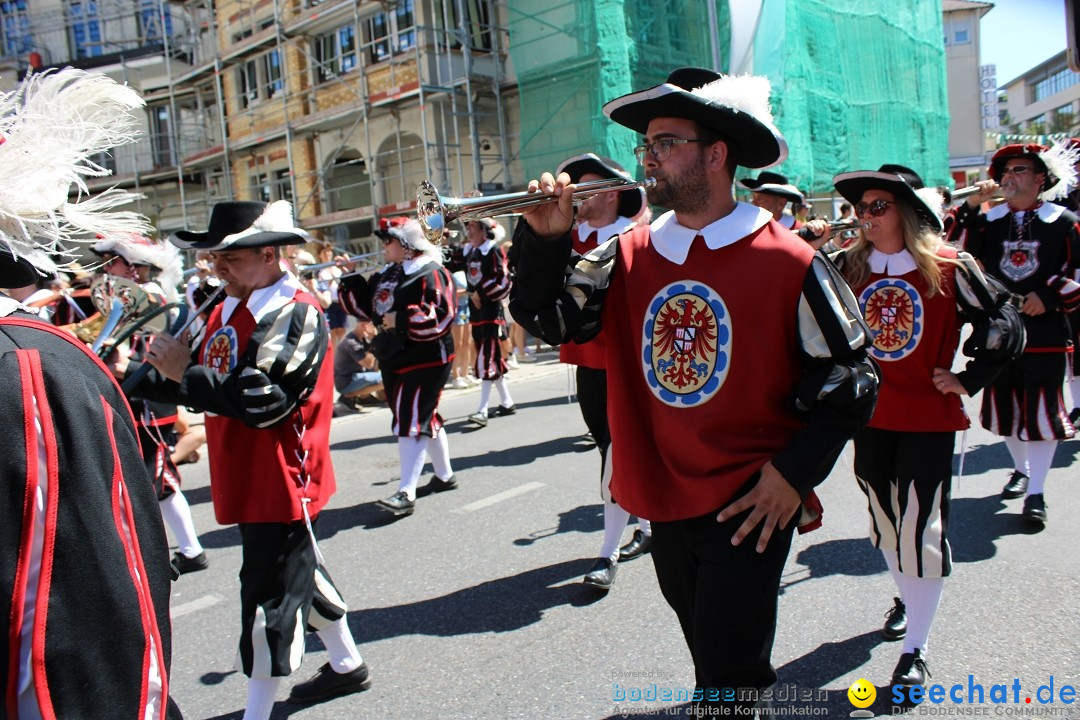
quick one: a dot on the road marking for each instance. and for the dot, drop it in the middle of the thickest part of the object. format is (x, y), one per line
(197, 604)
(499, 497)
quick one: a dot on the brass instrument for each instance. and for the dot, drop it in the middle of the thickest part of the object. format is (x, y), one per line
(372, 258)
(126, 308)
(435, 212)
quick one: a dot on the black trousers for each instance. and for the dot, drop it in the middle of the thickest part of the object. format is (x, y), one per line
(725, 597)
(592, 399)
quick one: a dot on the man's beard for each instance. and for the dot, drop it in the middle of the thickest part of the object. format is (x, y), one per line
(685, 192)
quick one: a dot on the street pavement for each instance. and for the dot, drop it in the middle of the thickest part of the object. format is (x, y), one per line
(473, 606)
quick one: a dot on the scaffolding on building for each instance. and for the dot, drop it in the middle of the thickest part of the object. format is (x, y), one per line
(338, 106)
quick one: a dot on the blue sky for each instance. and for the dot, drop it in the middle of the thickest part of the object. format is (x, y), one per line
(1019, 34)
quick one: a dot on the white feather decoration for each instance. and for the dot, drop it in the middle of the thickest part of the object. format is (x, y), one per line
(50, 128)
(276, 217)
(1061, 162)
(746, 93)
(934, 199)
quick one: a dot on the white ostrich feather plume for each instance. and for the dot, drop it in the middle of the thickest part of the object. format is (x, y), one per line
(50, 129)
(1060, 161)
(932, 198)
(746, 93)
(276, 217)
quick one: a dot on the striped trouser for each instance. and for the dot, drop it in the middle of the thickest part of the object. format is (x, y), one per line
(907, 479)
(283, 591)
(1025, 400)
(489, 358)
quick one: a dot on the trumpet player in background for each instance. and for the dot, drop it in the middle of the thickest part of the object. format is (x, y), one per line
(136, 258)
(1032, 246)
(736, 400)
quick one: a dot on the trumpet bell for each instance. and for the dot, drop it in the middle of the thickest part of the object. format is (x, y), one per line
(135, 305)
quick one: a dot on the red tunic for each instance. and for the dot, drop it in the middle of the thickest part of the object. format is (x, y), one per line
(693, 361)
(256, 474)
(913, 334)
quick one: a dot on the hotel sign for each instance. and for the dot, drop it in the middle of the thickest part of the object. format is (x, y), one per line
(988, 97)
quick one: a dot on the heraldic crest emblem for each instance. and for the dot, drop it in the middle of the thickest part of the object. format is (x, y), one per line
(686, 344)
(893, 309)
(221, 353)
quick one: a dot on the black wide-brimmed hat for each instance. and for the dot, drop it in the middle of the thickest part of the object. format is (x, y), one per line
(772, 183)
(630, 201)
(904, 183)
(16, 271)
(245, 224)
(735, 107)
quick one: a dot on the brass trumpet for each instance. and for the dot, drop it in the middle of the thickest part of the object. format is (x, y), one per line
(126, 308)
(435, 212)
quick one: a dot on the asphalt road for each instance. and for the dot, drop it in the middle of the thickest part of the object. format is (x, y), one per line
(473, 607)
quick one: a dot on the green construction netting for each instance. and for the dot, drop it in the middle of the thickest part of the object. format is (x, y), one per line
(856, 83)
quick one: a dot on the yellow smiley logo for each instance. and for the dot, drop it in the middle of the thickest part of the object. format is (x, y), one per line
(861, 693)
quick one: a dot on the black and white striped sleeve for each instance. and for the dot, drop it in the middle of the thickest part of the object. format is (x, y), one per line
(559, 296)
(276, 373)
(838, 389)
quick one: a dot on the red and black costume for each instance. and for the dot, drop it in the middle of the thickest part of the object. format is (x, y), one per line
(707, 394)
(263, 374)
(488, 275)
(415, 356)
(1035, 251)
(82, 634)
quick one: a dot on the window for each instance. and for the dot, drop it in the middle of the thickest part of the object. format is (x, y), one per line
(259, 78)
(85, 29)
(1054, 83)
(283, 185)
(478, 20)
(391, 33)
(150, 21)
(962, 37)
(267, 190)
(15, 36)
(336, 53)
(161, 136)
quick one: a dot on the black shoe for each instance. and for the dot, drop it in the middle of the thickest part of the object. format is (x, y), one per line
(911, 670)
(478, 418)
(1035, 508)
(639, 545)
(437, 484)
(602, 575)
(1074, 416)
(500, 411)
(326, 684)
(895, 621)
(184, 564)
(1016, 487)
(398, 503)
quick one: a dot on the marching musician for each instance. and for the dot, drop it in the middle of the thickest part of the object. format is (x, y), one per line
(263, 372)
(411, 301)
(771, 191)
(734, 402)
(1032, 246)
(135, 258)
(600, 217)
(488, 277)
(916, 293)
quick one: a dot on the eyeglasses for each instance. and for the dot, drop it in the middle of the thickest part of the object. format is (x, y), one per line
(877, 208)
(1018, 170)
(661, 149)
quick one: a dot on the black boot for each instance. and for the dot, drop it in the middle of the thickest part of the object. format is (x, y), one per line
(1035, 508)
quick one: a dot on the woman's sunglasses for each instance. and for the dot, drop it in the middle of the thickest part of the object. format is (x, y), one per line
(877, 208)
